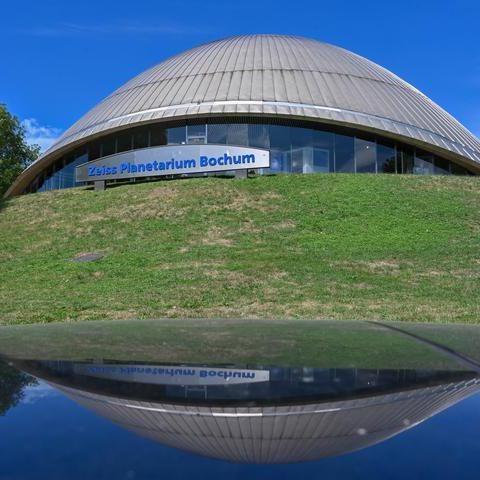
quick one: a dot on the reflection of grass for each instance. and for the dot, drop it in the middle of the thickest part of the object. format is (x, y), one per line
(464, 339)
(306, 246)
(281, 343)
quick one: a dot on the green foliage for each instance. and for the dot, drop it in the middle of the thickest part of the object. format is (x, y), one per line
(15, 153)
(339, 246)
(12, 384)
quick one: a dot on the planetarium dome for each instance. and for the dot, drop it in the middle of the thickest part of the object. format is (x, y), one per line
(238, 90)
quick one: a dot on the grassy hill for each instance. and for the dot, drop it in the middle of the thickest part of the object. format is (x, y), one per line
(306, 246)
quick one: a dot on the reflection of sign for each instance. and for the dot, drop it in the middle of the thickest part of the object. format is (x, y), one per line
(172, 375)
(173, 160)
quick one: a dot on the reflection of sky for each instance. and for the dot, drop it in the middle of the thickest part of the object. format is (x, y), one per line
(52, 437)
(33, 393)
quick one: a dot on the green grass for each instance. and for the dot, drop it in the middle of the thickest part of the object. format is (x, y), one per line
(380, 247)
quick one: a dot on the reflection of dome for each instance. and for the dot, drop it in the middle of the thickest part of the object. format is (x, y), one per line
(277, 434)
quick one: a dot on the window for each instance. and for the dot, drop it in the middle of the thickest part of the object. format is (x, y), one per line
(365, 156)
(441, 166)
(140, 138)
(404, 159)
(62, 173)
(423, 163)
(323, 151)
(280, 147)
(344, 154)
(158, 136)
(79, 157)
(124, 142)
(286, 161)
(258, 136)
(302, 151)
(292, 149)
(196, 134)
(386, 157)
(280, 137)
(237, 134)
(217, 133)
(321, 160)
(276, 161)
(94, 151)
(458, 169)
(301, 137)
(59, 164)
(108, 146)
(177, 136)
(302, 160)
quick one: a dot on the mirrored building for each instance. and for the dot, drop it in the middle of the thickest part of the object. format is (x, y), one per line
(258, 414)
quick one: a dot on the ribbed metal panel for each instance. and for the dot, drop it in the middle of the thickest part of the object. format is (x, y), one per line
(274, 68)
(277, 434)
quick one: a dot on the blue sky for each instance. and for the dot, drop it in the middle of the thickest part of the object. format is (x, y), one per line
(60, 58)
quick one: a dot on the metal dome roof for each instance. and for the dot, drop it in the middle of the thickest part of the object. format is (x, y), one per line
(272, 76)
(277, 75)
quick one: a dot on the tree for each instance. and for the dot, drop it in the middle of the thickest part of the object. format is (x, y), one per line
(12, 385)
(15, 153)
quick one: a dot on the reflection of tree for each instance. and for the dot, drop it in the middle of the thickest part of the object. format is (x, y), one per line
(12, 383)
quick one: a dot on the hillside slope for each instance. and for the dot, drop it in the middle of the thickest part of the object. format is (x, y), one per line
(310, 246)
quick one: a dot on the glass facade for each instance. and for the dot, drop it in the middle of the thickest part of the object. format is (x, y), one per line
(61, 174)
(294, 148)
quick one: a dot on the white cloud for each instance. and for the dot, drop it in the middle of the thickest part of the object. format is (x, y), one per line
(39, 391)
(39, 134)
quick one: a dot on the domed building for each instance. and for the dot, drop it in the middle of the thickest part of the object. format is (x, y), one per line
(268, 103)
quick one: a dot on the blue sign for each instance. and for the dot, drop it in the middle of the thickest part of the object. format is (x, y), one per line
(181, 159)
(172, 375)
